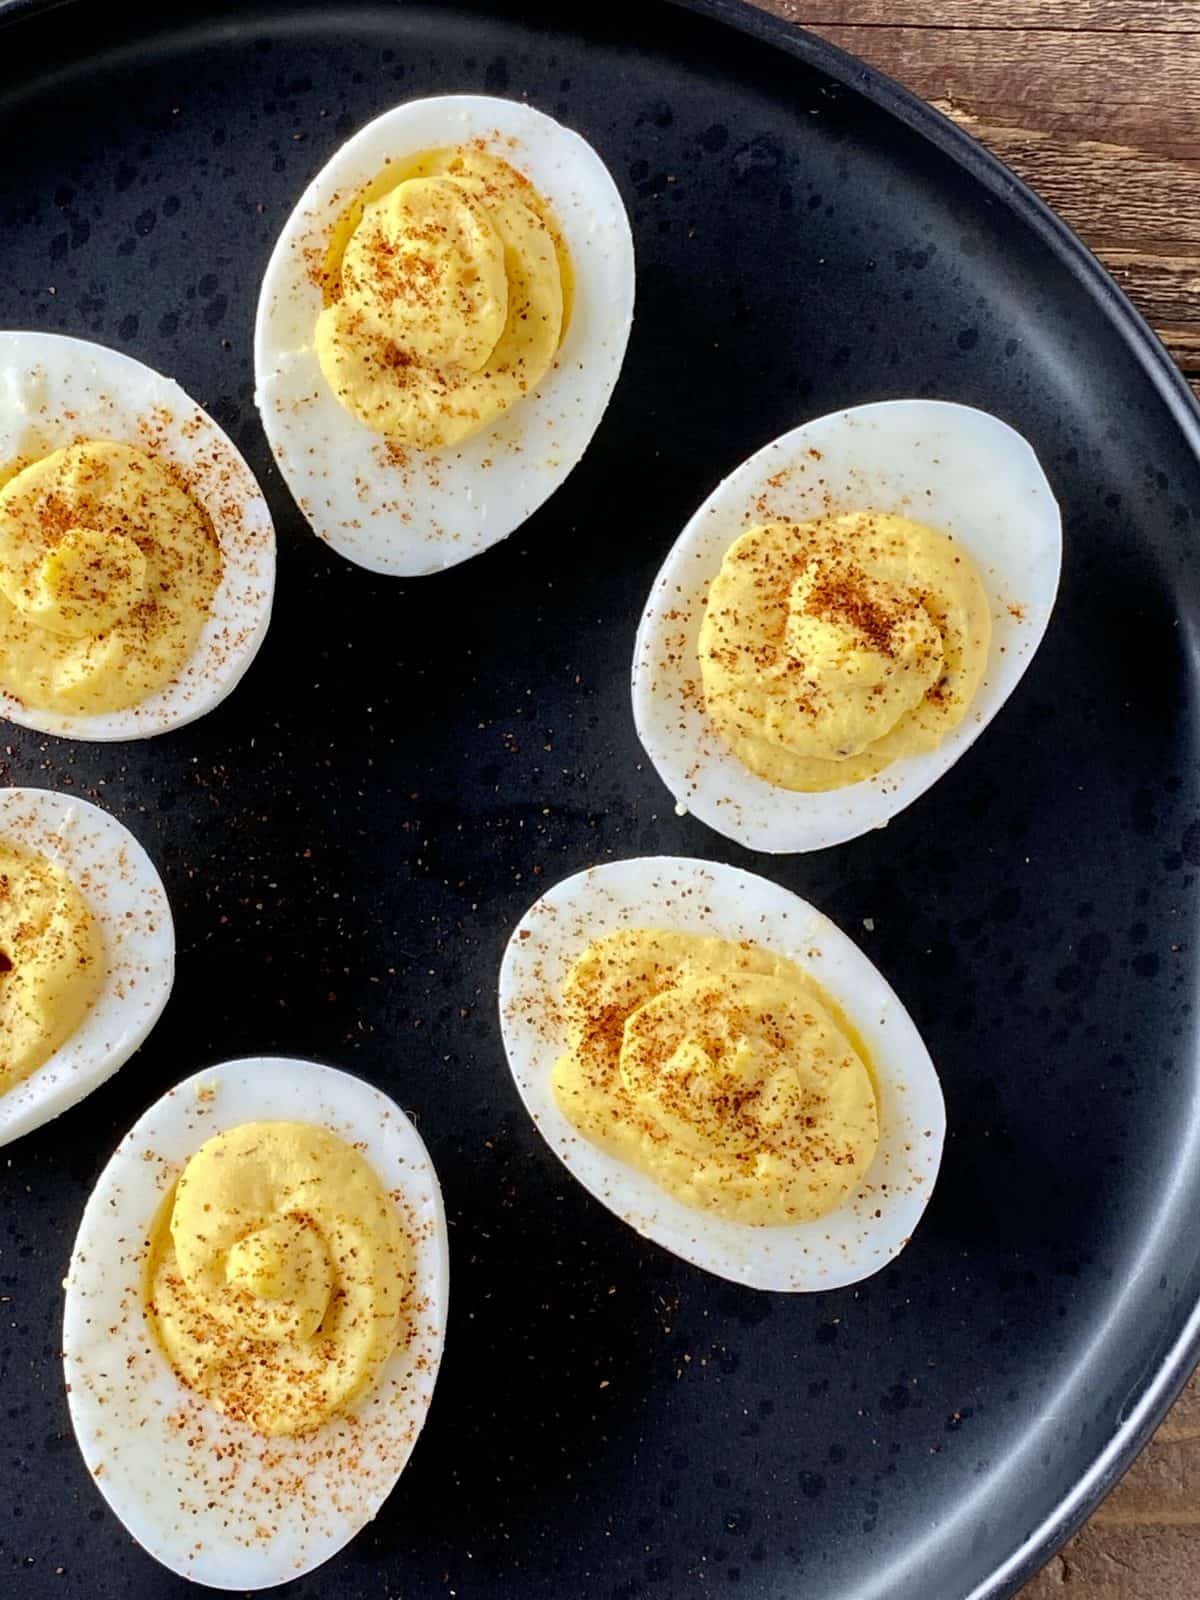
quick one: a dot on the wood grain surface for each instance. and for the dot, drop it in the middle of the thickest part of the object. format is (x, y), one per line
(1096, 103)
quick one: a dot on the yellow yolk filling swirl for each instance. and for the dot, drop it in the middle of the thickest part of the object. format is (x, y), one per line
(108, 570)
(51, 962)
(722, 1071)
(446, 299)
(278, 1275)
(831, 648)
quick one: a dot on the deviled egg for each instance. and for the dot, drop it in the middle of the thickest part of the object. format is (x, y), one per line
(137, 555)
(254, 1318)
(842, 618)
(440, 328)
(724, 1069)
(87, 952)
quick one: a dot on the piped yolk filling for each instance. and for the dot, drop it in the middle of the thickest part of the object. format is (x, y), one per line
(447, 291)
(51, 962)
(831, 648)
(108, 571)
(278, 1275)
(722, 1071)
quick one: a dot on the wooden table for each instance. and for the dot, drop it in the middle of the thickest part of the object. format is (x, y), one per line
(1096, 103)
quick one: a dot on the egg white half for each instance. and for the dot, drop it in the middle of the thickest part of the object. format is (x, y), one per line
(706, 897)
(958, 470)
(56, 391)
(125, 895)
(212, 1499)
(413, 512)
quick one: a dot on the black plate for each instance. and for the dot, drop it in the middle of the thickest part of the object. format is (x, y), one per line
(348, 840)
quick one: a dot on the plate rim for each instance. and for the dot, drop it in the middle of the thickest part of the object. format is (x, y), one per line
(1173, 1369)
(963, 148)
(1135, 1428)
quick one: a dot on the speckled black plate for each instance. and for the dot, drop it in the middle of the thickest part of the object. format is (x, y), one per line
(348, 839)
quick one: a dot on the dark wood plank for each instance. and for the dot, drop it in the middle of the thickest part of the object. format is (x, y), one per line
(1083, 16)
(1055, 80)
(1115, 195)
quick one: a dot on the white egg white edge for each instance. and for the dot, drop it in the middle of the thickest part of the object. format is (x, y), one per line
(152, 1470)
(64, 389)
(951, 466)
(125, 894)
(707, 897)
(437, 508)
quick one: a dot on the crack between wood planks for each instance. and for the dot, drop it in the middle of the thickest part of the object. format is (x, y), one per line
(805, 19)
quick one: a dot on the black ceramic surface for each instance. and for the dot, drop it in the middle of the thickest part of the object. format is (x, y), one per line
(348, 839)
